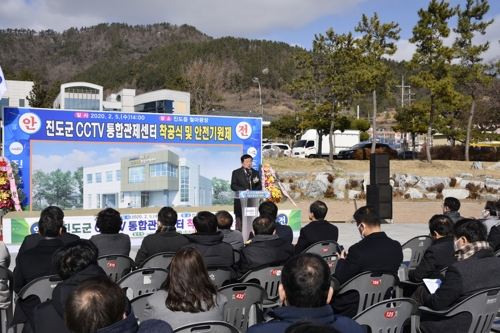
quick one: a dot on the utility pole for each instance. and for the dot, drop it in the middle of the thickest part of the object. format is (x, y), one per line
(409, 100)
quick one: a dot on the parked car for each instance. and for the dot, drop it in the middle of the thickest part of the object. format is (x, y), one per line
(408, 155)
(349, 153)
(283, 146)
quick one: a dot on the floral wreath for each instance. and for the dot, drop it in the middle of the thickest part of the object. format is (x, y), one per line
(9, 195)
(269, 179)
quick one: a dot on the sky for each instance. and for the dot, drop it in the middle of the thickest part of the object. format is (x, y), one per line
(215, 161)
(291, 21)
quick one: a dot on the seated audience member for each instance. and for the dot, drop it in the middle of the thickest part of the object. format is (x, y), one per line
(451, 206)
(305, 326)
(494, 232)
(476, 269)
(74, 263)
(110, 240)
(374, 253)
(209, 242)
(187, 295)
(305, 291)
(37, 261)
(232, 237)
(31, 241)
(166, 238)
(99, 305)
(4, 288)
(440, 254)
(265, 248)
(318, 229)
(489, 215)
(268, 208)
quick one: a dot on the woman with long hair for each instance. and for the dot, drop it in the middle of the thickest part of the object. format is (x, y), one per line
(187, 295)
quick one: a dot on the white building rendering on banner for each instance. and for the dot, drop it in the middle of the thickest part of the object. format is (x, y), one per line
(155, 179)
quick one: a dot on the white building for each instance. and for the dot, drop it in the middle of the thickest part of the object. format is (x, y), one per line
(154, 179)
(89, 96)
(17, 93)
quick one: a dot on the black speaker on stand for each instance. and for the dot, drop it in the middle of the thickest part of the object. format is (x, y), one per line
(379, 192)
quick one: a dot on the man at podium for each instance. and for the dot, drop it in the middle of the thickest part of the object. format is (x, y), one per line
(242, 179)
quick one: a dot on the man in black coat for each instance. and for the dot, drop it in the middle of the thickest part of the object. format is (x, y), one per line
(242, 179)
(266, 247)
(268, 208)
(74, 262)
(440, 254)
(374, 253)
(451, 206)
(166, 238)
(37, 261)
(30, 241)
(318, 230)
(209, 242)
(476, 269)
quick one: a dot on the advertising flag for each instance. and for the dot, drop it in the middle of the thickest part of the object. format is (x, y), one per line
(3, 85)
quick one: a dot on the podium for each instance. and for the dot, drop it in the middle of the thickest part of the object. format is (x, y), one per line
(249, 208)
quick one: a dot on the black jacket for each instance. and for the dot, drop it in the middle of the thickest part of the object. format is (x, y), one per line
(438, 256)
(240, 182)
(30, 241)
(48, 316)
(35, 262)
(167, 241)
(375, 253)
(454, 216)
(214, 251)
(283, 231)
(463, 278)
(264, 250)
(494, 237)
(316, 231)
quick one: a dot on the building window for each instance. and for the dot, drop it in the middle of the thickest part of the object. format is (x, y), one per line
(89, 178)
(98, 200)
(165, 106)
(109, 176)
(82, 98)
(118, 175)
(163, 169)
(21, 103)
(122, 197)
(137, 174)
(184, 184)
(98, 177)
(4, 102)
(89, 201)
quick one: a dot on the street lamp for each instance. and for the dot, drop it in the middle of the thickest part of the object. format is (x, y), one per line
(256, 80)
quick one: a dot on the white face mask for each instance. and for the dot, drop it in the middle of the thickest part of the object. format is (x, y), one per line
(455, 244)
(362, 235)
(484, 213)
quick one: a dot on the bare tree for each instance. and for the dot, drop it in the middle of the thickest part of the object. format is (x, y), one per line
(205, 80)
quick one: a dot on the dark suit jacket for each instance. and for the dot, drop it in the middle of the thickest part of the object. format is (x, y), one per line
(167, 241)
(494, 237)
(463, 278)
(264, 250)
(454, 216)
(316, 231)
(283, 231)
(239, 182)
(438, 256)
(211, 246)
(375, 253)
(31, 241)
(35, 262)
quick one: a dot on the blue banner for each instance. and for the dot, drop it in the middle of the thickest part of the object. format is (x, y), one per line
(36, 139)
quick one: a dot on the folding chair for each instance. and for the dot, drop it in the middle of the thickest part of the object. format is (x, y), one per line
(41, 287)
(221, 276)
(331, 260)
(139, 304)
(371, 286)
(6, 314)
(482, 307)
(159, 260)
(417, 245)
(116, 266)
(143, 281)
(268, 278)
(389, 316)
(208, 327)
(324, 248)
(236, 256)
(243, 304)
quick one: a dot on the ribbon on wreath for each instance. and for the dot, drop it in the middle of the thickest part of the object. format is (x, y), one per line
(269, 177)
(7, 168)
